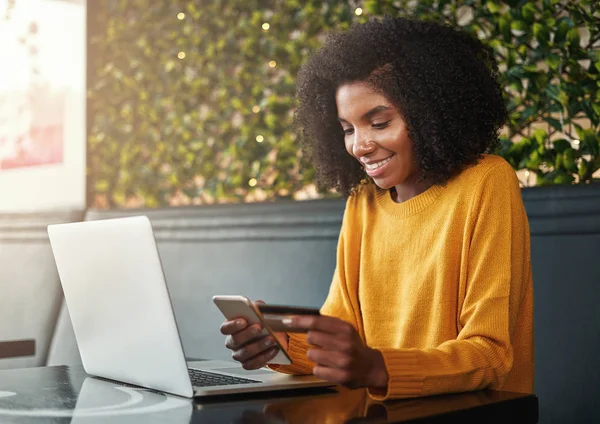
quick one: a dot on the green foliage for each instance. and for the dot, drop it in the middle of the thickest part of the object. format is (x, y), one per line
(168, 129)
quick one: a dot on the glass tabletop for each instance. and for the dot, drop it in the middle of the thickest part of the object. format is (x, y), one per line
(68, 395)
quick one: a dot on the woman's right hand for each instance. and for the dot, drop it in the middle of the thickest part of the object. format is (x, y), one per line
(248, 346)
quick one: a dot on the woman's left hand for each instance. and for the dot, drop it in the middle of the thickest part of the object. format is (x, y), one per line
(340, 354)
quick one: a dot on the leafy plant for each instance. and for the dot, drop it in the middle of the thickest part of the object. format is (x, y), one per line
(192, 101)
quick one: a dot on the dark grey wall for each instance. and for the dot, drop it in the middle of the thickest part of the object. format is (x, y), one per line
(565, 256)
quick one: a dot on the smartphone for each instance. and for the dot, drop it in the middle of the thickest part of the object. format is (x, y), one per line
(274, 315)
(233, 307)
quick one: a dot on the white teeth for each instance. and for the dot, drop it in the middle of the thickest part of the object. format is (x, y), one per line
(378, 164)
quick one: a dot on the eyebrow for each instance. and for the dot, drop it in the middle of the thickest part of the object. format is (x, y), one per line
(370, 113)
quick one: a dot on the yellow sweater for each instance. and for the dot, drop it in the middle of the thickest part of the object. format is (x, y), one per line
(440, 284)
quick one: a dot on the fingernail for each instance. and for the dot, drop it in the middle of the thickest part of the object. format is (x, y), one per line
(287, 321)
(268, 342)
(256, 330)
(239, 323)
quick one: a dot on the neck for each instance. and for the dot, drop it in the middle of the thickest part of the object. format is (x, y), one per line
(409, 189)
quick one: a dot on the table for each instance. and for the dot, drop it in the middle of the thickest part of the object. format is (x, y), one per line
(68, 395)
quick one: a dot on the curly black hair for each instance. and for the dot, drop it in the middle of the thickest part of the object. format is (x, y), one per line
(442, 81)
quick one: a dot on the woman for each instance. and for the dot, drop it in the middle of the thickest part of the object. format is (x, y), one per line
(432, 292)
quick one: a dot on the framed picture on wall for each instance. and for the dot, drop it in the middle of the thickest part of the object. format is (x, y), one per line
(42, 105)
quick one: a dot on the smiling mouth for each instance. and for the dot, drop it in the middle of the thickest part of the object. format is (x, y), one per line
(373, 166)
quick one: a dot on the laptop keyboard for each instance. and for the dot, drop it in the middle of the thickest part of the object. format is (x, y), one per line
(205, 379)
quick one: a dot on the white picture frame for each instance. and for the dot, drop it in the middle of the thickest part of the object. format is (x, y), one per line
(43, 92)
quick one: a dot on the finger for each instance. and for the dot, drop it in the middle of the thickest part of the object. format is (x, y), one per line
(253, 349)
(241, 338)
(261, 359)
(335, 375)
(329, 359)
(233, 326)
(321, 323)
(326, 341)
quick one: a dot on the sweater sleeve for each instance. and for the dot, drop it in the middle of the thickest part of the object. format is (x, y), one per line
(498, 275)
(341, 301)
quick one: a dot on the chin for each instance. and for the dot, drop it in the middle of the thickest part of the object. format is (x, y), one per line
(384, 183)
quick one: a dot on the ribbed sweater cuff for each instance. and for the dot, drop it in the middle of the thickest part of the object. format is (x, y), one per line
(405, 378)
(297, 347)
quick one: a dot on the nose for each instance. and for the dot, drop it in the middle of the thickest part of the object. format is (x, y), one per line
(363, 145)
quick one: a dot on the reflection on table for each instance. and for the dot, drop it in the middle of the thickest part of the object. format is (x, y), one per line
(69, 395)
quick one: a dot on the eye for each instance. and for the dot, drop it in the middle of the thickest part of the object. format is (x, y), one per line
(348, 131)
(381, 125)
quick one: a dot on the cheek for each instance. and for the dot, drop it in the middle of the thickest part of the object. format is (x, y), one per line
(404, 143)
(349, 145)
(403, 146)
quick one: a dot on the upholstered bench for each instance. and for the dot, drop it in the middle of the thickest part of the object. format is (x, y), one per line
(30, 294)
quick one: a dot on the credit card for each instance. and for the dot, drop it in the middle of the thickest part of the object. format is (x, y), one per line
(274, 315)
(287, 310)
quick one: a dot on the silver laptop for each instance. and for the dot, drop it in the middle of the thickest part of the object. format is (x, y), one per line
(123, 320)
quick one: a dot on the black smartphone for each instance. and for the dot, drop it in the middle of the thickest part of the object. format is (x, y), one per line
(273, 315)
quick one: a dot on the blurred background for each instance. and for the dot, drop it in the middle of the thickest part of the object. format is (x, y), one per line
(182, 110)
(191, 102)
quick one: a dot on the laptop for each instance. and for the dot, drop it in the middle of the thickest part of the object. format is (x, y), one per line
(123, 320)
